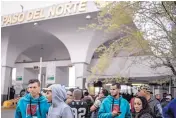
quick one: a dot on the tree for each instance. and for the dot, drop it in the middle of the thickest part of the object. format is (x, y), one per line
(145, 28)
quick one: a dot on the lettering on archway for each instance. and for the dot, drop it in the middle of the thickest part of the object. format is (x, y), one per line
(39, 14)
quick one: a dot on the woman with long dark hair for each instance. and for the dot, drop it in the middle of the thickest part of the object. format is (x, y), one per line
(142, 109)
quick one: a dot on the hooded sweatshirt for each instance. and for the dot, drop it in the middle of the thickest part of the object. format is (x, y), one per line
(170, 110)
(59, 109)
(105, 110)
(29, 107)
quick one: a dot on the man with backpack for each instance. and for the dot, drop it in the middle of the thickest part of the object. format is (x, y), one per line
(95, 107)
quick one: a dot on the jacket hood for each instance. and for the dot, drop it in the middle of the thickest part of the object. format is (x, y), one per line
(111, 98)
(41, 98)
(58, 93)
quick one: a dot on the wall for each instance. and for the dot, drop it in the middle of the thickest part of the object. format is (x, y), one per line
(59, 54)
(23, 57)
(55, 50)
(62, 75)
(76, 42)
(29, 73)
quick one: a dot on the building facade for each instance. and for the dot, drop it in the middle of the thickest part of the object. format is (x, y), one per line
(57, 34)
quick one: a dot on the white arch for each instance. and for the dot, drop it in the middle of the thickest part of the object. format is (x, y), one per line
(19, 42)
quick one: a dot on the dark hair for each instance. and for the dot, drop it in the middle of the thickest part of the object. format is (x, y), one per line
(105, 92)
(117, 85)
(85, 89)
(145, 106)
(48, 85)
(86, 93)
(170, 95)
(34, 81)
(71, 90)
(164, 95)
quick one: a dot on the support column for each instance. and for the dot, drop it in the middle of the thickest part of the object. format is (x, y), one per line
(6, 81)
(153, 89)
(20, 75)
(51, 73)
(80, 73)
(19, 80)
(6, 66)
(174, 86)
(170, 86)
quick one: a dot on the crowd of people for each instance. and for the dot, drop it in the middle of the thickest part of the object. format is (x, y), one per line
(56, 102)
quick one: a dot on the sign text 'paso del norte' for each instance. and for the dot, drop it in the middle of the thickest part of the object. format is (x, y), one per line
(39, 14)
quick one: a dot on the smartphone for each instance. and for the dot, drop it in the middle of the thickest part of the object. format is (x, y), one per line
(119, 113)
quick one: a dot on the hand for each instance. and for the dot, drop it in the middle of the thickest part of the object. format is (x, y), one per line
(115, 113)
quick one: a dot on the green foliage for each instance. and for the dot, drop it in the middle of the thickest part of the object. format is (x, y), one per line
(132, 19)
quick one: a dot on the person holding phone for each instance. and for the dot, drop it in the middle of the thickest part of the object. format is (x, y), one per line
(114, 105)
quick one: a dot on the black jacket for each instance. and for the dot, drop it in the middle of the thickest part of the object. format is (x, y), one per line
(146, 115)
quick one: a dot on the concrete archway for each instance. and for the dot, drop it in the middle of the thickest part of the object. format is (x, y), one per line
(28, 39)
(24, 43)
(99, 38)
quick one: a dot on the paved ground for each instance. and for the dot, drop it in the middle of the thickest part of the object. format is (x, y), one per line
(7, 113)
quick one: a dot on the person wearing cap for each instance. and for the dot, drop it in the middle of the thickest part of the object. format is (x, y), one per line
(48, 94)
(145, 91)
(56, 94)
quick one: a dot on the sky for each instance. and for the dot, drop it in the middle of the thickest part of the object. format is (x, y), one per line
(10, 7)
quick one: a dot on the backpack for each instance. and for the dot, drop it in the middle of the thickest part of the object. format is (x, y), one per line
(95, 113)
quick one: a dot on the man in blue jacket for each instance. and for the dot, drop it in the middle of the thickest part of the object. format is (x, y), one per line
(33, 104)
(170, 110)
(114, 106)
